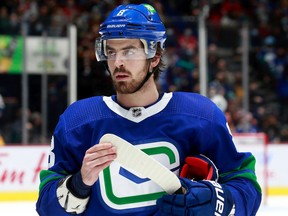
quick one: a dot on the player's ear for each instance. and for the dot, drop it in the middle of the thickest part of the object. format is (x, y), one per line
(155, 61)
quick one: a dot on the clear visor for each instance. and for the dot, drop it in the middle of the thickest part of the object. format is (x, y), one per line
(104, 53)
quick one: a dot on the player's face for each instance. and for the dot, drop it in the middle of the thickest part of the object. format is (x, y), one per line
(127, 63)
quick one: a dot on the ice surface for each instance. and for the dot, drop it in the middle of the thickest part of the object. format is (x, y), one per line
(276, 206)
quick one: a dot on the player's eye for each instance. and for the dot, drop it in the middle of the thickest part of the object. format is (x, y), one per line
(129, 52)
(111, 54)
(126, 54)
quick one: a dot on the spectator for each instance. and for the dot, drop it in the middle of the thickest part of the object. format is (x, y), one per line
(2, 106)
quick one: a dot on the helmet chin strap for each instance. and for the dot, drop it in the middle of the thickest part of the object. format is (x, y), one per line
(148, 75)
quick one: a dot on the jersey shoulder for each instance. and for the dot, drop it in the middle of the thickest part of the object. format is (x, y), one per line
(85, 111)
(195, 104)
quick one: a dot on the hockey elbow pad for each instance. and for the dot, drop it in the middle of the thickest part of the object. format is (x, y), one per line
(201, 198)
(71, 203)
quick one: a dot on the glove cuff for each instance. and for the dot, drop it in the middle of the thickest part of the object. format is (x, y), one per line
(68, 201)
(224, 202)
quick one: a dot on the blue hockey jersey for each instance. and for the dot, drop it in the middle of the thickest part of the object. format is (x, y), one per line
(176, 126)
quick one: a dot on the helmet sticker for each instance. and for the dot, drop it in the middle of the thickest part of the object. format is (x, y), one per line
(150, 8)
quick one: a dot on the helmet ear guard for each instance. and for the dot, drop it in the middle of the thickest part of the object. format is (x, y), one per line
(199, 167)
(99, 50)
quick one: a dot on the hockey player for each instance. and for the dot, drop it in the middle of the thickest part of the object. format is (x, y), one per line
(83, 177)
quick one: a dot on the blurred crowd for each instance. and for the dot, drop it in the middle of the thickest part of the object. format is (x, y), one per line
(267, 21)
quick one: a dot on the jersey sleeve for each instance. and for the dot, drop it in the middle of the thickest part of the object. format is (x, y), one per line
(62, 162)
(236, 169)
(247, 198)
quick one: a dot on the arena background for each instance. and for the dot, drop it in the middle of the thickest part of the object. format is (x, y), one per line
(245, 73)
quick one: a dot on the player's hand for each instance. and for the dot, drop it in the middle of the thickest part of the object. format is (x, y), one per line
(201, 198)
(96, 158)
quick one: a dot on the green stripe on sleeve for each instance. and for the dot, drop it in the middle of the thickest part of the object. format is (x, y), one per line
(48, 176)
(246, 170)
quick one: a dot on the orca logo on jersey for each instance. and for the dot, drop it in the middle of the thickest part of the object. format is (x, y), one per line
(123, 189)
(136, 112)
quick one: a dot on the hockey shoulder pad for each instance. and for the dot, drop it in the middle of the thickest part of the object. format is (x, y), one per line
(199, 167)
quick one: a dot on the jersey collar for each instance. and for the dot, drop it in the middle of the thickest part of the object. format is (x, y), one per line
(138, 114)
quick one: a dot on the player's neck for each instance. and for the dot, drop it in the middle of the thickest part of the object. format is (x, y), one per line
(143, 97)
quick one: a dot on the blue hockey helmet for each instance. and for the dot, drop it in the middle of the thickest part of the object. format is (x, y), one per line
(134, 22)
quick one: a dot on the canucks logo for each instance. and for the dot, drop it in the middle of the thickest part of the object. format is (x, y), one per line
(124, 189)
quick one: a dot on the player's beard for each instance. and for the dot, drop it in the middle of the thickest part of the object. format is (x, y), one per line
(128, 87)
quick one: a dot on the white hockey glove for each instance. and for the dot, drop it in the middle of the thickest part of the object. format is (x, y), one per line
(68, 201)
